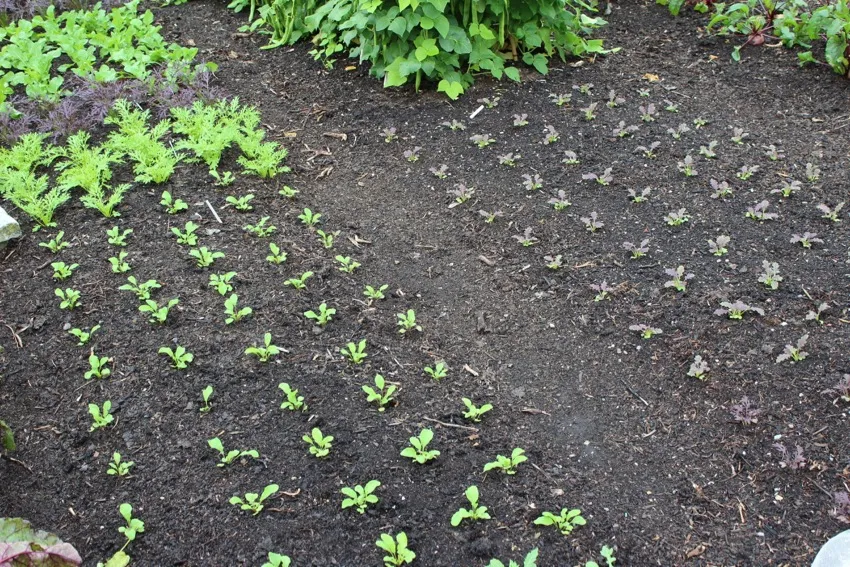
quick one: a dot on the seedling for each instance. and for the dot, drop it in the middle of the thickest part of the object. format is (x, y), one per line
(560, 99)
(737, 309)
(831, 213)
(412, 155)
(172, 205)
(738, 136)
(607, 554)
(648, 112)
(440, 173)
(277, 560)
(560, 202)
(117, 467)
(260, 230)
(605, 179)
(389, 134)
(520, 120)
(82, 336)
(156, 313)
(381, 394)
(327, 238)
(100, 415)
(551, 136)
(770, 274)
(678, 131)
(841, 389)
(288, 192)
(718, 245)
(812, 172)
(759, 212)
(223, 179)
(686, 166)
(676, 218)
(242, 203)
(602, 290)
(507, 465)
(346, 264)
(700, 123)
(134, 526)
(70, 298)
(482, 140)
(640, 197)
(671, 106)
(461, 193)
(454, 125)
(623, 131)
(745, 412)
(699, 368)
(816, 314)
(679, 279)
(530, 560)
(355, 353)
(300, 282)
(553, 262)
(532, 183)
(590, 111)
(646, 332)
(360, 496)
(566, 521)
(180, 357)
(526, 239)
(638, 251)
(118, 238)
(221, 282)
(570, 158)
(591, 223)
(97, 367)
(264, 353)
(375, 293)
(253, 502)
(649, 151)
(614, 100)
(789, 187)
(474, 512)
(746, 172)
(293, 401)
(794, 353)
(438, 371)
(721, 189)
(232, 310)
(206, 393)
(56, 243)
(320, 445)
(773, 153)
(489, 217)
(473, 412)
(229, 457)
(323, 317)
(418, 449)
(187, 236)
(204, 258)
(309, 218)
(142, 290)
(795, 461)
(396, 548)
(62, 271)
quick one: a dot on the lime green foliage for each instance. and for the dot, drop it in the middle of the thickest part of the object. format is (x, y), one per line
(397, 552)
(153, 161)
(7, 437)
(566, 521)
(20, 184)
(253, 502)
(444, 41)
(101, 416)
(529, 561)
(360, 496)
(89, 168)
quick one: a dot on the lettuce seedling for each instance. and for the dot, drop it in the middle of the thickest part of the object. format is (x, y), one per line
(134, 526)
(396, 548)
(605, 179)
(794, 353)
(172, 205)
(309, 218)
(737, 310)
(530, 559)
(474, 512)
(118, 238)
(638, 251)
(806, 239)
(260, 229)
(591, 223)
(560, 202)
(119, 264)
(206, 393)
(526, 239)
(566, 521)
(204, 258)
(407, 322)
(355, 353)
(507, 465)
(346, 264)
(276, 256)
(228, 457)
(375, 293)
(56, 243)
(770, 274)
(323, 317)
(221, 282)
(180, 357)
(327, 238)
(646, 332)
(253, 502)
(360, 496)
(70, 298)
(473, 412)
(142, 290)
(418, 448)
(100, 415)
(382, 394)
(699, 368)
(293, 401)
(117, 467)
(231, 309)
(82, 336)
(62, 271)
(264, 353)
(300, 282)
(320, 445)
(438, 371)
(187, 236)
(156, 313)
(679, 279)
(242, 203)
(607, 554)
(97, 367)
(277, 560)
(718, 245)
(831, 213)
(20, 544)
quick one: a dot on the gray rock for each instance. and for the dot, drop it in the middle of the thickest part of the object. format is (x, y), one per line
(9, 228)
(835, 553)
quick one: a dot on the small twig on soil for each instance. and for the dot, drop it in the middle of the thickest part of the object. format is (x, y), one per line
(16, 461)
(215, 214)
(822, 489)
(632, 392)
(292, 494)
(544, 473)
(451, 424)
(535, 411)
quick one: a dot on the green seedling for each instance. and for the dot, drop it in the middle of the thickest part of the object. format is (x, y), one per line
(346, 264)
(815, 315)
(831, 213)
(180, 357)
(203, 257)
(389, 134)
(473, 412)
(263, 159)
(718, 245)
(554, 262)
(172, 205)
(188, 235)
(62, 271)
(277, 560)
(260, 229)
(300, 282)
(7, 437)
(737, 309)
(100, 415)
(276, 255)
(360, 496)
(418, 449)
(288, 192)
(142, 290)
(309, 218)
(97, 367)
(320, 445)
(117, 467)
(373, 293)
(382, 394)
(134, 525)
(156, 313)
(770, 274)
(396, 548)
(221, 282)
(253, 502)
(677, 218)
(482, 140)
(83, 337)
(474, 512)
(223, 179)
(206, 393)
(264, 353)
(407, 322)
(119, 263)
(228, 457)
(438, 371)
(327, 238)
(55, 244)
(355, 353)
(231, 309)
(607, 554)
(686, 166)
(678, 278)
(70, 298)
(293, 401)
(566, 521)
(454, 125)
(323, 317)
(794, 353)
(746, 172)
(507, 465)
(590, 111)
(646, 332)
(242, 203)
(530, 560)
(118, 238)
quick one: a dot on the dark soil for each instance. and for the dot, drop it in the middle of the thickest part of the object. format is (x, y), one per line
(611, 422)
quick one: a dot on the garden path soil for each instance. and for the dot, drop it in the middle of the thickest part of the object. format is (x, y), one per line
(610, 422)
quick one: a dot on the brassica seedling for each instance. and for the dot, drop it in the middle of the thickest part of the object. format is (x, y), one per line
(355, 353)
(97, 367)
(253, 502)
(63, 271)
(474, 512)
(204, 258)
(228, 457)
(718, 245)
(187, 236)
(473, 412)
(570, 158)
(206, 393)
(438, 371)
(101, 416)
(418, 450)
(300, 282)
(737, 309)
(407, 322)
(134, 526)
(323, 317)
(686, 166)
(327, 238)
(320, 445)
(264, 353)
(699, 368)
(172, 205)
(221, 282)
(56, 243)
(605, 179)
(396, 548)
(360, 496)
(180, 357)
(646, 332)
(375, 293)
(381, 394)
(118, 238)
(560, 202)
(156, 313)
(676, 218)
(232, 310)
(293, 401)
(831, 213)
(526, 238)
(142, 290)
(638, 251)
(309, 218)
(566, 521)
(260, 230)
(806, 239)
(679, 279)
(507, 465)
(117, 467)
(346, 264)
(70, 298)
(794, 353)
(770, 274)
(119, 264)
(591, 223)
(82, 336)
(530, 560)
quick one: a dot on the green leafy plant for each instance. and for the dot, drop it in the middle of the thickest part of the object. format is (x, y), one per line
(794, 353)
(474, 512)
(381, 394)
(398, 553)
(678, 278)
(718, 245)
(62, 271)
(699, 368)
(7, 437)
(677, 218)
(831, 213)
(566, 521)
(770, 274)
(309, 218)
(277, 560)
(346, 264)
(360, 496)
(222, 282)
(56, 243)
(473, 412)
(418, 450)
(262, 159)
(172, 205)
(737, 309)
(646, 331)
(327, 238)
(156, 313)
(530, 560)
(438, 371)
(206, 394)
(265, 352)
(180, 357)
(253, 502)
(320, 445)
(288, 192)
(101, 416)
(82, 336)
(375, 293)
(276, 255)
(293, 401)
(203, 257)
(407, 322)
(117, 467)
(142, 290)
(117, 237)
(607, 554)
(134, 526)
(232, 310)
(229, 457)
(119, 263)
(300, 282)
(261, 229)
(187, 236)
(355, 353)
(70, 298)
(324, 315)
(507, 465)
(97, 367)
(242, 203)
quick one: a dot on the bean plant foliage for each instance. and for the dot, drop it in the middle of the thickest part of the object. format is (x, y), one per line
(444, 41)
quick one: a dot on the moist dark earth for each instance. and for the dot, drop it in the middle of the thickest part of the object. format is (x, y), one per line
(611, 422)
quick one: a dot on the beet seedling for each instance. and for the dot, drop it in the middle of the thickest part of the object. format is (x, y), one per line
(82, 336)
(56, 243)
(649, 151)
(265, 352)
(187, 236)
(646, 332)
(789, 187)
(560, 202)
(381, 394)
(570, 158)
(221, 282)
(482, 140)
(737, 310)
(276, 255)
(520, 120)
(699, 368)
(605, 179)
(418, 450)
(831, 213)
(794, 353)
(300, 282)
(678, 131)
(360, 496)
(70, 298)
(253, 502)
(355, 353)
(97, 367)
(142, 290)
(770, 274)
(180, 357)
(134, 526)
(438, 371)
(396, 548)
(292, 402)
(232, 310)
(157, 314)
(507, 465)
(553, 262)
(62, 271)
(119, 264)
(718, 245)
(117, 467)
(407, 322)
(816, 314)
(412, 155)
(320, 445)
(228, 457)
(203, 257)
(679, 279)
(101, 416)
(638, 251)
(566, 521)
(118, 238)
(806, 239)
(172, 205)
(323, 317)
(473, 412)
(746, 172)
